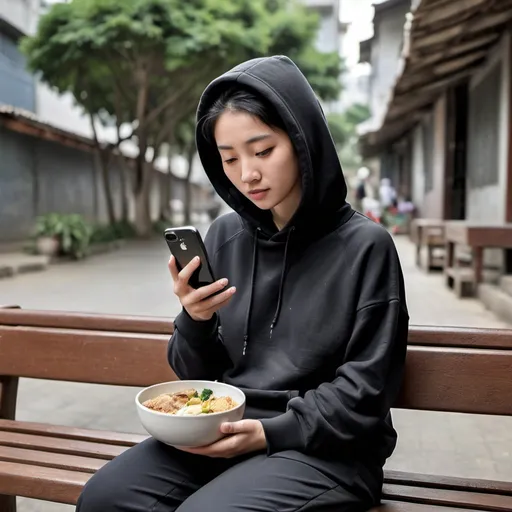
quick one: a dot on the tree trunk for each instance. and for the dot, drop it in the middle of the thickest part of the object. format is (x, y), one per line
(188, 185)
(143, 224)
(125, 190)
(165, 193)
(104, 161)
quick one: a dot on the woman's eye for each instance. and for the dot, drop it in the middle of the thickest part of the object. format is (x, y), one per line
(265, 152)
(229, 160)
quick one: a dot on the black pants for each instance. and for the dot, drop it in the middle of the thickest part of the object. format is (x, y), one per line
(153, 477)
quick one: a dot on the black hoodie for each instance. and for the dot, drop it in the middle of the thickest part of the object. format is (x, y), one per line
(316, 332)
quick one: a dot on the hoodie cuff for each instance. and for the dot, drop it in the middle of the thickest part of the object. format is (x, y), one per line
(283, 433)
(196, 332)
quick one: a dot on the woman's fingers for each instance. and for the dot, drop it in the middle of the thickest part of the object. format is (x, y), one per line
(202, 303)
(205, 291)
(181, 279)
(173, 268)
(217, 301)
(189, 269)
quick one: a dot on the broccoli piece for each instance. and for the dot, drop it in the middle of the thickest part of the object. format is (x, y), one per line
(205, 394)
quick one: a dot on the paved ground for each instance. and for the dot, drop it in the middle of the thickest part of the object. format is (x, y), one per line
(135, 281)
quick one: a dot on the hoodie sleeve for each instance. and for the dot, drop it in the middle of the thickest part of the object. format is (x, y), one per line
(341, 414)
(196, 350)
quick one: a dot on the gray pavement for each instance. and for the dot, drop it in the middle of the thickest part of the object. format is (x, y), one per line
(135, 280)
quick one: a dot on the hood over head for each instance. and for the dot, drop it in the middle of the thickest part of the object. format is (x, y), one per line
(324, 190)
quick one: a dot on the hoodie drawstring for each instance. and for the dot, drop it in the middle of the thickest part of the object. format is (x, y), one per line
(281, 286)
(253, 275)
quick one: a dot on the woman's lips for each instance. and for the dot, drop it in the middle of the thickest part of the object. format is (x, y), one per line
(258, 194)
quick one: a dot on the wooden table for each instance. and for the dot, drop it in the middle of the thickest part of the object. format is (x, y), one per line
(477, 236)
(428, 233)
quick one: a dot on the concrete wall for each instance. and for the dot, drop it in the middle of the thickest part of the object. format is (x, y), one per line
(23, 14)
(38, 177)
(433, 203)
(418, 170)
(328, 37)
(487, 202)
(386, 50)
(16, 84)
(17, 187)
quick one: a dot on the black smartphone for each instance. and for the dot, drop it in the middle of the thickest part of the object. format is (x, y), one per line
(185, 243)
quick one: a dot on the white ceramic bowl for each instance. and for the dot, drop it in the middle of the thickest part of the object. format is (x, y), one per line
(188, 430)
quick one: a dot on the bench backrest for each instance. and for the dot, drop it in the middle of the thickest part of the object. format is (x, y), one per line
(448, 369)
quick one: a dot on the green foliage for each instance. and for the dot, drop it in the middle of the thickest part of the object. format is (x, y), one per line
(104, 51)
(72, 231)
(343, 130)
(323, 71)
(160, 226)
(109, 233)
(144, 63)
(357, 113)
(343, 126)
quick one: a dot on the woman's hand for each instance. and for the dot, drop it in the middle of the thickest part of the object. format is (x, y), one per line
(244, 436)
(198, 303)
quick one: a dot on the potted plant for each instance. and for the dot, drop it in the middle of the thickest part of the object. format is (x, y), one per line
(65, 234)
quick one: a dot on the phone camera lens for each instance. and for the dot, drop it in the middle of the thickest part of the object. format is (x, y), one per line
(171, 237)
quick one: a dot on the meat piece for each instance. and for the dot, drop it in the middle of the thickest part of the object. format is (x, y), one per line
(223, 403)
(170, 403)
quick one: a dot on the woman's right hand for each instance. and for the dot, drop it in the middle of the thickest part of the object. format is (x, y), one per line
(198, 303)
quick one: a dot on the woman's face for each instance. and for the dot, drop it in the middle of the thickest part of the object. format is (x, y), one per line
(260, 162)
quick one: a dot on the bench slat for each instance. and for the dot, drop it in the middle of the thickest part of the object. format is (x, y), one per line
(437, 378)
(462, 337)
(401, 506)
(446, 497)
(447, 482)
(87, 321)
(100, 357)
(475, 381)
(56, 445)
(42, 483)
(50, 459)
(80, 434)
(418, 335)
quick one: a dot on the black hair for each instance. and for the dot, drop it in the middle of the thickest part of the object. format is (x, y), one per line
(237, 99)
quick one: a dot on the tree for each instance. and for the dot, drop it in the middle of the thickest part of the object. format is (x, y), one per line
(144, 63)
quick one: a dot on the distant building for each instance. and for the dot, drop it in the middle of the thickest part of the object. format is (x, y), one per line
(382, 51)
(444, 132)
(329, 36)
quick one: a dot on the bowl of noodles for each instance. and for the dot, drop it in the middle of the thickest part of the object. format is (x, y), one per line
(189, 412)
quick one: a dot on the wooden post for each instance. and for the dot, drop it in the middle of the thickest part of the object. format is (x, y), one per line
(508, 185)
(8, 397)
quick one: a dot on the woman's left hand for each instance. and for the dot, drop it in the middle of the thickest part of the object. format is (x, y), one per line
(243, 436)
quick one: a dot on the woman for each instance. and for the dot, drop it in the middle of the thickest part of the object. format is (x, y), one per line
(312, 325)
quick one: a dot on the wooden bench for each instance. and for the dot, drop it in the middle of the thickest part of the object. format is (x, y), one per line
(428, 233)
(459, 370)
(476, 237)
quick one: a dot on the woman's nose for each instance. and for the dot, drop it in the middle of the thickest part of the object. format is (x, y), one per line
(249, 173)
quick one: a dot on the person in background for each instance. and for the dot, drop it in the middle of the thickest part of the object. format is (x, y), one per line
(387, 194)
(361, 190)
